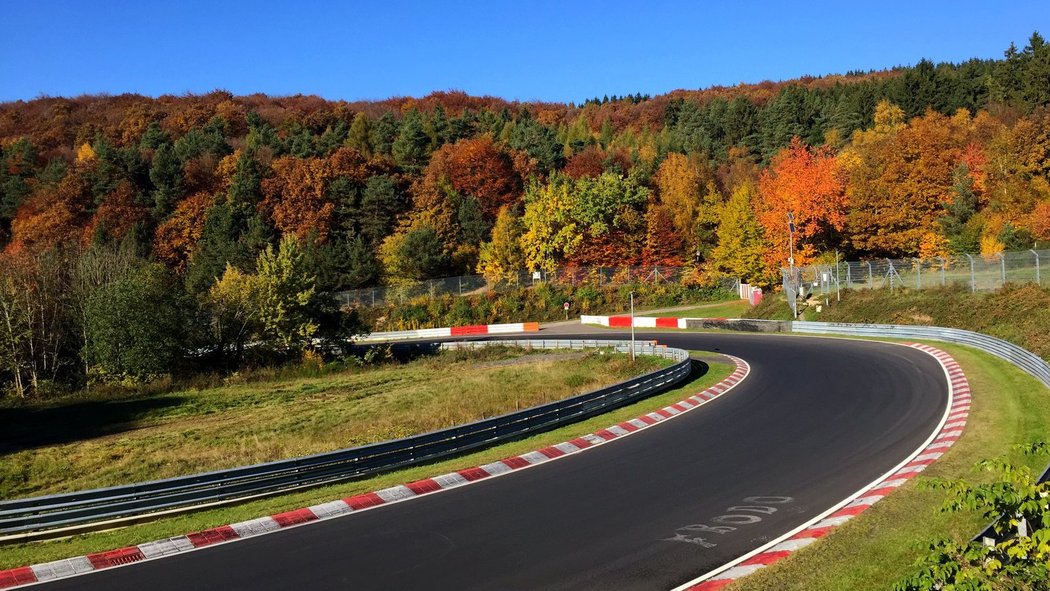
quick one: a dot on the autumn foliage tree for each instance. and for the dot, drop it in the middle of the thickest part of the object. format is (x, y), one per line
(479, 168)
(176, 238)
(807, 183)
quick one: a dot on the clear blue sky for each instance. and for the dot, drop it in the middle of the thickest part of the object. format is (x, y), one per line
(557, 51)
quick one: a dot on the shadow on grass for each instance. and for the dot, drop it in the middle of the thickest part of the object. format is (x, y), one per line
(28, 428)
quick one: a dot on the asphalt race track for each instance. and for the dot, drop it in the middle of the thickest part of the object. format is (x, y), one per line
(816, 420)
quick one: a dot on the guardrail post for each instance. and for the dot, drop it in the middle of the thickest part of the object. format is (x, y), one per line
(973, 280)
(1038, 281)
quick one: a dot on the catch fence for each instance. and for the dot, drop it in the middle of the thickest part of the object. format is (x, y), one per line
(976, 272)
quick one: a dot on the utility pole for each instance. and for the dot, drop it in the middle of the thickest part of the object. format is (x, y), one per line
(632, 327)
(791, 265)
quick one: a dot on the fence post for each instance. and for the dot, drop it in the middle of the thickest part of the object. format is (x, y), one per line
(838, 295)
(460, 279)
(871, 278)
(373, 296)
(889, 274)
(1038, 281)
(973, 280)
(1002, 266)
(944, 265)
(918, 276)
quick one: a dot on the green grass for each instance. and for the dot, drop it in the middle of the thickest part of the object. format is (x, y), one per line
(51, 448)
(733, 309)
(31, 553)
(877, 548)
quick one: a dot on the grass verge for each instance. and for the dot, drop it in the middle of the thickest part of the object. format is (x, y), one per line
(32, 553)
(88, 444)
(877, 548)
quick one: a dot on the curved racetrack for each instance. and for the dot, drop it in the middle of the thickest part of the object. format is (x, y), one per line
(815, 421)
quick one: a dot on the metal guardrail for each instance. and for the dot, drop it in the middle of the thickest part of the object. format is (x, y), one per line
(1019, 356)
(66, 513)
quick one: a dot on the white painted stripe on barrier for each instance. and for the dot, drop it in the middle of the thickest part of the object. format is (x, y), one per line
(430, 333)
(505, 328)
(683, 323)
(644, 322)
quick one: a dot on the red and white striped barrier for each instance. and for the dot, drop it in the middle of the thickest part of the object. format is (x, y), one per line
(639, 321)
(451, 331)
(948, 432)
(79, 565)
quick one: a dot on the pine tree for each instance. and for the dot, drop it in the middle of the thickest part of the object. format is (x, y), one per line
(166, 175)
(360, 135)
(412, 146)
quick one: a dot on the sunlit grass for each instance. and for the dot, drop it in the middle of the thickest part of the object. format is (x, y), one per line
(189, 431)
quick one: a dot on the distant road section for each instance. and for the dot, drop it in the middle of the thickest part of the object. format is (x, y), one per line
(816, 420)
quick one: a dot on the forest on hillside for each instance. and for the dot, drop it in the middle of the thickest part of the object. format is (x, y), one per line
(204, 202)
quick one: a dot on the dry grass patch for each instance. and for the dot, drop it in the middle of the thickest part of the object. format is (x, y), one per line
(88, 444)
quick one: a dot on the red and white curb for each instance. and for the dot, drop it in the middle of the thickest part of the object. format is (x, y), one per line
(947, 433)
(450, 331)
(79, 565)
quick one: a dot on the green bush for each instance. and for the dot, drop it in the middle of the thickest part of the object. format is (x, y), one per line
(135, 326)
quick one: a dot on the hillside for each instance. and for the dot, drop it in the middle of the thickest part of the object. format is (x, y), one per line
(214, 221)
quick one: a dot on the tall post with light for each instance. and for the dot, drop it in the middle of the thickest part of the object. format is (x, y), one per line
(632, 327)
(791, 264)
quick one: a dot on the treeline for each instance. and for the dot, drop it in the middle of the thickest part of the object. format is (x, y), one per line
(916, 161)
(72, 316)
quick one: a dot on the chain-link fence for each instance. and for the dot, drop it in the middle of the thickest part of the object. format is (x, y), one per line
(473, 284)
(977, 272)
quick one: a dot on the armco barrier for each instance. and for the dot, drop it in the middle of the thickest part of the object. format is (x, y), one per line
(67, 513)
(450, 331)
(1019, 356)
